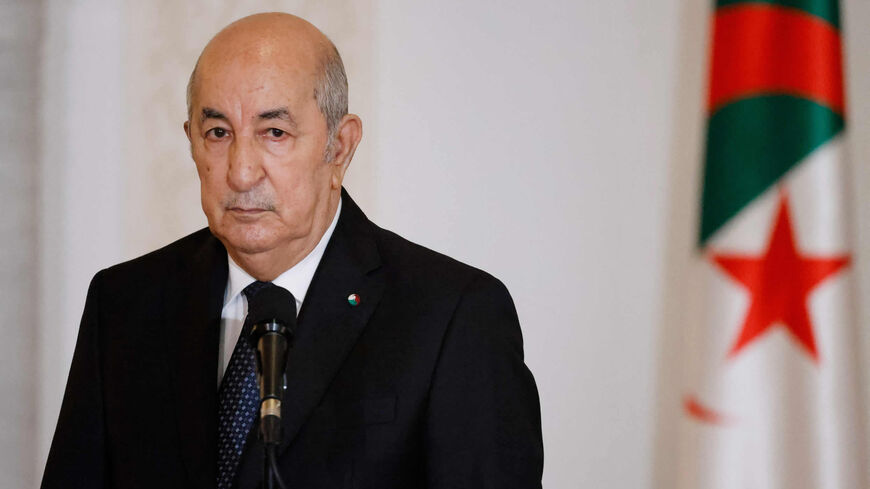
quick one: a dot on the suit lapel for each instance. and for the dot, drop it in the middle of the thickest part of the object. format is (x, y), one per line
(328, 327)
(194, 304)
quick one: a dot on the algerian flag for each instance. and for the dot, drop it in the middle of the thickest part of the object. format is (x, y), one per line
(773, 396)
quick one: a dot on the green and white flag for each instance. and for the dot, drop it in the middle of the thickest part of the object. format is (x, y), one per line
(772, 397)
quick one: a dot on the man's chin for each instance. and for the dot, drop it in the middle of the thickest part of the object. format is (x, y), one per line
(245, 241)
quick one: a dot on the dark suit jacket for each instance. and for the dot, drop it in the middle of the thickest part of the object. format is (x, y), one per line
(421, 385)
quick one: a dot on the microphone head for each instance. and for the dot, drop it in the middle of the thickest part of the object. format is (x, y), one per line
(273, 303)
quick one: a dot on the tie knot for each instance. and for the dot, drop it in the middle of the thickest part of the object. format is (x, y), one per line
(251, 290)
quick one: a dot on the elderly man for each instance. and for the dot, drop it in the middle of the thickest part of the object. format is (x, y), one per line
(407, 366)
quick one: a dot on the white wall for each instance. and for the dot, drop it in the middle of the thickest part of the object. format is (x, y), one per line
(533, 141)
(554, 144)
(856, 17)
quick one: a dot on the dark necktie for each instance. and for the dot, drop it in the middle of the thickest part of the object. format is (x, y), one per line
(238, 399)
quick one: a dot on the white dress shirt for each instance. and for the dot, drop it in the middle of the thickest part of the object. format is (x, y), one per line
(296, 280)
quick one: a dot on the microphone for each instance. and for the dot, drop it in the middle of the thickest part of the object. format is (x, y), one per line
(272, 311)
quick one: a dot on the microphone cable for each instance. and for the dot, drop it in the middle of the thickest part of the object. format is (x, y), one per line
(273, 466)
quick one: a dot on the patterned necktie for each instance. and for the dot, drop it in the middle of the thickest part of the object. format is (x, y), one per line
(238, 399)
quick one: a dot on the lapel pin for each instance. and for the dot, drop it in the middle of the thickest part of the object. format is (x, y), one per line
(353, 299)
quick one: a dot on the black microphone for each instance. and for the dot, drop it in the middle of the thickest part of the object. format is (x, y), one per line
(272, 311)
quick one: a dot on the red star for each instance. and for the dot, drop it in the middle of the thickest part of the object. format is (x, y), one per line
(780, 282)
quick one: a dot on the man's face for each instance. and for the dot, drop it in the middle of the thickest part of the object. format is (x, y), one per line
(258, 140)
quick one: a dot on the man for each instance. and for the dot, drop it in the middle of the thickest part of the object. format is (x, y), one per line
(407, 366)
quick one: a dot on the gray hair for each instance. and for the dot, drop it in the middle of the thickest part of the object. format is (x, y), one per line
(330, 93)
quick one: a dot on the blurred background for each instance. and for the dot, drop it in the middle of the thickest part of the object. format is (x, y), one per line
(557, 145)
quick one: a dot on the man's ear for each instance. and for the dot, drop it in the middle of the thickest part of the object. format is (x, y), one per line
(187, 130)
(347, 138)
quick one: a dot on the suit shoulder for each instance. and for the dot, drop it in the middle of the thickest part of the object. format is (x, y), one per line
(414, 262)
(163, 261)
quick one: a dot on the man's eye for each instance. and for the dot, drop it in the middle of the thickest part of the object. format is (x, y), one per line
(218, 132)
(276, 133)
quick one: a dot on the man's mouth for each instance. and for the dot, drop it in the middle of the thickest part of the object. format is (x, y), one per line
(246, 211)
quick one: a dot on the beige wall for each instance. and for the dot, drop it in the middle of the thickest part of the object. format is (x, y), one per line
(554, 144)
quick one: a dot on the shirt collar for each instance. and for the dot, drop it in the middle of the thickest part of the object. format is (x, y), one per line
(296, 279)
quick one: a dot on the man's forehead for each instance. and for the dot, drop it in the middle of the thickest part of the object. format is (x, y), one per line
(262, 61)
(257, 85)
(256, 63)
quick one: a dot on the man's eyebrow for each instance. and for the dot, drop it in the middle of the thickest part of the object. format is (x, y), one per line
(279, 113)
(209, 113)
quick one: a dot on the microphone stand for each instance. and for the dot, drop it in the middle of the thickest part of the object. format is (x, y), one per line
(272, 344)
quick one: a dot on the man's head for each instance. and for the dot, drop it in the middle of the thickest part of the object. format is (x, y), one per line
(271, 138)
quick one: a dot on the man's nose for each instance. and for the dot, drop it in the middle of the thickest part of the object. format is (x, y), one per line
(245, 165)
